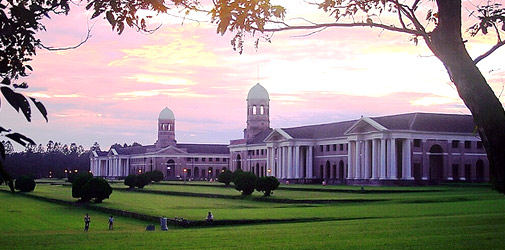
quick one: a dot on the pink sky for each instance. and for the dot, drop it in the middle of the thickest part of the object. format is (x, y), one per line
(113, 87)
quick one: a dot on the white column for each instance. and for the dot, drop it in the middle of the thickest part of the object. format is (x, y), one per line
(383, 165)
(284, 163)
(350, 166)
(297, 162)
(127, 172)
(407, 162)
(375, 160)
(367, 159)
(357, 169)
(290, 162)
(394, 166)
(310, 160)
(267, 166)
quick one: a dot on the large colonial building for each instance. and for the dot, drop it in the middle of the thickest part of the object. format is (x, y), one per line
(397, 149)
(175, 160)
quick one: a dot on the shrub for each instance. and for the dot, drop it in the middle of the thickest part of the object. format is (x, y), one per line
(225, 177)
(130, 180)
(24, 183)
(1, 180)
(267, 184)
(235, 174)
(155, 175)
(142, 180)
(78, 185)
(245, 182)
(98, 189)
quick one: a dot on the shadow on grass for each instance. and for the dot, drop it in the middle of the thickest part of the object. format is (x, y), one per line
(242, 197)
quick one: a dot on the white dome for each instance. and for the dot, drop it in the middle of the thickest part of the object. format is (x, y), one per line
(258, 92)
(166, 114)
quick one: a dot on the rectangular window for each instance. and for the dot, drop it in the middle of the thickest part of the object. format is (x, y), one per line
(189, 159)
(196, 159)
(479, 144)
(257, 152)
(321, 148)
(455, 144)
(210, 159)
(217, 159)
(327, 148)
(203, 159)
(468, 144)
(417, 143)
(224, 159)
(334, 147)
(341, 147)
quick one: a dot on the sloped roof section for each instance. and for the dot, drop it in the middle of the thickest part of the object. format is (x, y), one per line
(259, 138)
(429, 122)
(205, 148)
(133, 150)
(328, 130)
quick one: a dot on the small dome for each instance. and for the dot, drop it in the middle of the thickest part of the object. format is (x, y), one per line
(258, 92)
(166, 114)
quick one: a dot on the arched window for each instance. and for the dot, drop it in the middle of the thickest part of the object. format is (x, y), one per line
(254, 110)
(262, 110)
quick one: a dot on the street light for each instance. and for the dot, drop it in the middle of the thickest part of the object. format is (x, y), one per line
(66, 173)
(184, 170)
(75, 170)
(140, 171)
(269, 171)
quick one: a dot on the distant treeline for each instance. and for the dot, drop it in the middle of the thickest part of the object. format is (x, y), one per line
(51, 160)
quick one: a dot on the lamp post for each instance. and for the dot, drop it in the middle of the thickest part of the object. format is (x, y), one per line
(168, 172)
(269, 171)
(66, 173)
(50, 174)
(184, 173)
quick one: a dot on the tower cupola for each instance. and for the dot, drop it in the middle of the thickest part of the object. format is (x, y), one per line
(258, 116)
(166, 129)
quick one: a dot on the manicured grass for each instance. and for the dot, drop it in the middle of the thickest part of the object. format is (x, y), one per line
(448, 217)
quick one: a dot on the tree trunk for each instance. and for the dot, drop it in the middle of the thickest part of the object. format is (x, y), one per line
(447, 44)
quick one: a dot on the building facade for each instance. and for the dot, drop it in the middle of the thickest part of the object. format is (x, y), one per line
(175, 160)
(413, 148)
(409, 148)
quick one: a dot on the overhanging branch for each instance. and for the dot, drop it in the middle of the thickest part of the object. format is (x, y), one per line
(489, 52)
(344, 25)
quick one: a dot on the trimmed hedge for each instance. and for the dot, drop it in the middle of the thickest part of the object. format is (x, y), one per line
(24, 183)
(245, 182)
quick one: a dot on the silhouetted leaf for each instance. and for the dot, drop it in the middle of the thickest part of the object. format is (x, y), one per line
(2, 150)
(19, 138)
(40, 107)
(23, 85)
(7, 177)
(6, 81)
(17, 101)
(2, 129)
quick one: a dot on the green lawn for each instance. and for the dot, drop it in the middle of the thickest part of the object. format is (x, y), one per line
(453, 217)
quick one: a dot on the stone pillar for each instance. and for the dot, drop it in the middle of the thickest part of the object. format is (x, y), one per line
(367, 160)
(407, 160)
(357, 167)
(426, 163)
(350, 165)
(393, 165)
(375, 160)
(267, 166)
(383, 162)
(310, 174)
(297, 162)
(290, 162)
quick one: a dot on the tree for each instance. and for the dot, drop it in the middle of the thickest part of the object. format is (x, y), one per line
(25, 183)
(78, 186)
(225, 177)
(245, 182)
(97, 189)
(267, 184)
(130, 181)
(235, 174)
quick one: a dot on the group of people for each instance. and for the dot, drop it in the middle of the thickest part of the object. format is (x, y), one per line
(87, 220)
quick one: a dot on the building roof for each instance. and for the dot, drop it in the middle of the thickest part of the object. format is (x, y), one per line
(205, 148)
(425, 122)
(258, 92)
(166, 114)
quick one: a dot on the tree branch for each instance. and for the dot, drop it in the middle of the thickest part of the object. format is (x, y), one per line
(489, 52)
(88, 35)
(345, 25)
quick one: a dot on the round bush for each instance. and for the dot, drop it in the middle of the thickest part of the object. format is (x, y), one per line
(78, 183)
(267, 184)
(98, 189)
(225, 177)
(142, 180)
(245, 183)
(235, 174)
(155, 175)
(130, 180)
(24, 183)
